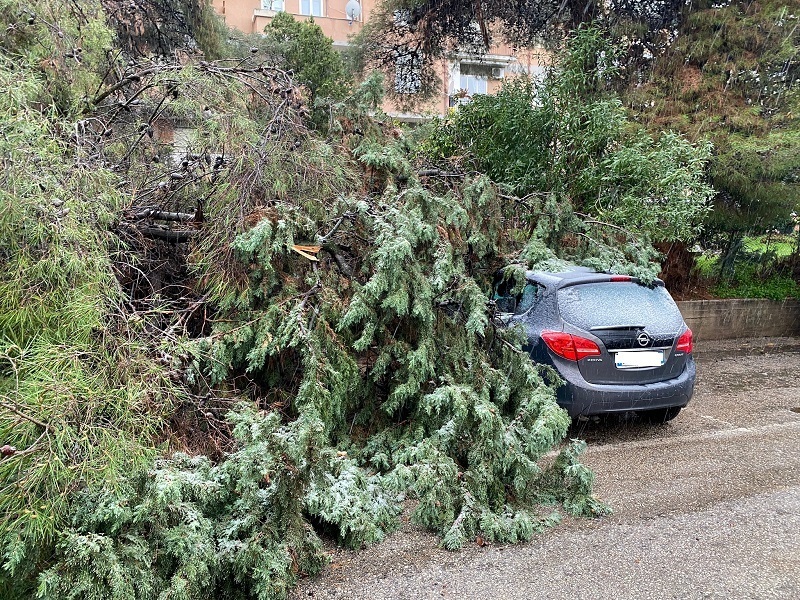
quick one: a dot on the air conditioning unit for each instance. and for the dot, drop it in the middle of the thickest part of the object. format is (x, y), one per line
(497, 72)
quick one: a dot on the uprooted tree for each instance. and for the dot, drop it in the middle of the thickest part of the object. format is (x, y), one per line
(188, 267)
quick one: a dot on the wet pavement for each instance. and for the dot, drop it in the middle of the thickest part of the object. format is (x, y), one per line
(706, 506)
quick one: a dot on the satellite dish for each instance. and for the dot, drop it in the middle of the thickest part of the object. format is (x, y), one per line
(352, 10)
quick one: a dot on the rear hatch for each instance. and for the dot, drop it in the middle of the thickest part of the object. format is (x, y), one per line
(636, 328)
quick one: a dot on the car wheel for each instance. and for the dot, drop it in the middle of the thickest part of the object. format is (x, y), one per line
(661, 415)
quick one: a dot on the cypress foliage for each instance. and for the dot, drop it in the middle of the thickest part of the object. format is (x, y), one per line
(394, 348)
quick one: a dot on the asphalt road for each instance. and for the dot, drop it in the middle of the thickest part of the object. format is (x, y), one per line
(706, 506)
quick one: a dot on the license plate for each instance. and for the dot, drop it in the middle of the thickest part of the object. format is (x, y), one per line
(646, 358)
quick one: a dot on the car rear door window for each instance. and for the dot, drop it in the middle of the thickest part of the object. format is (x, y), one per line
(530, 294)
(616, 304)
(518, 304)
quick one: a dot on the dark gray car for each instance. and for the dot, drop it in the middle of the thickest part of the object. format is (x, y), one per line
(619, 346)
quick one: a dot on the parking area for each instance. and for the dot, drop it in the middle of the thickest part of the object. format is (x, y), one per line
(706, 506)
(738, 436)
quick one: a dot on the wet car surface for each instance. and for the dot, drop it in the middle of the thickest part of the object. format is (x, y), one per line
(619, 346)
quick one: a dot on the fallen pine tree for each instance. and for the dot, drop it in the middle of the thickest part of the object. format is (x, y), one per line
(280, 332)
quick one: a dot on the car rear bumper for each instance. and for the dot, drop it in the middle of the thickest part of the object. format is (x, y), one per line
(581, 398)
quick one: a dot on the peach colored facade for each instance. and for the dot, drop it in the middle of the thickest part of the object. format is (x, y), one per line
(462, 74)
(251, 16)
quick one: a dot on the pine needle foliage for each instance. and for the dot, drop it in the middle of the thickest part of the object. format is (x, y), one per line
(81, 403)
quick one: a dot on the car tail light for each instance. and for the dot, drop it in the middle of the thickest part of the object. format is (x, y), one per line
(685, 342)
(621, 278)
(571, 347)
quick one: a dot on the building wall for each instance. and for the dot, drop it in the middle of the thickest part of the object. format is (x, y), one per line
(251, 16)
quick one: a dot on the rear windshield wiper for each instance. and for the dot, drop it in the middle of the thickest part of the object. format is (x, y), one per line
(607, 327)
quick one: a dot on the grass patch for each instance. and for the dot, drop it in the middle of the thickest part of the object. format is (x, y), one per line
(778, 287)
(780, 246)
(761, 270)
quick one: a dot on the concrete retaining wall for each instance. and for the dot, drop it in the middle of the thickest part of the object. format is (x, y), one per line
(727, 319)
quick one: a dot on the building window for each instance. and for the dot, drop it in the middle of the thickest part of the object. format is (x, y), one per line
(274, 5)
(311, 8)
(468, 79)
(473, 84)
(407, 74)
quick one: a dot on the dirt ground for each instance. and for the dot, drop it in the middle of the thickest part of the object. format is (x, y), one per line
(706, 506)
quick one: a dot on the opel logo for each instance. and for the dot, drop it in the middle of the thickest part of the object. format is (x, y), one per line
(644, 339)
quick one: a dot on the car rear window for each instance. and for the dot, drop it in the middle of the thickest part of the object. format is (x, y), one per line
(611, 304)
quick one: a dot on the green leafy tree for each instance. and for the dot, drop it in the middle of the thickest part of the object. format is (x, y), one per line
(566, 145)
(303, 48)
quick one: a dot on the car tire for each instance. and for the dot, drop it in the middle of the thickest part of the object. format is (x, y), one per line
(661, 415)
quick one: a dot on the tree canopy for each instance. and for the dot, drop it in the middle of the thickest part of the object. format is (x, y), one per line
(408, 36)
(731, 77)
(567, 142)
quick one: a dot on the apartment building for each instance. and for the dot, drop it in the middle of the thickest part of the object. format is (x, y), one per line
(463, 74)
